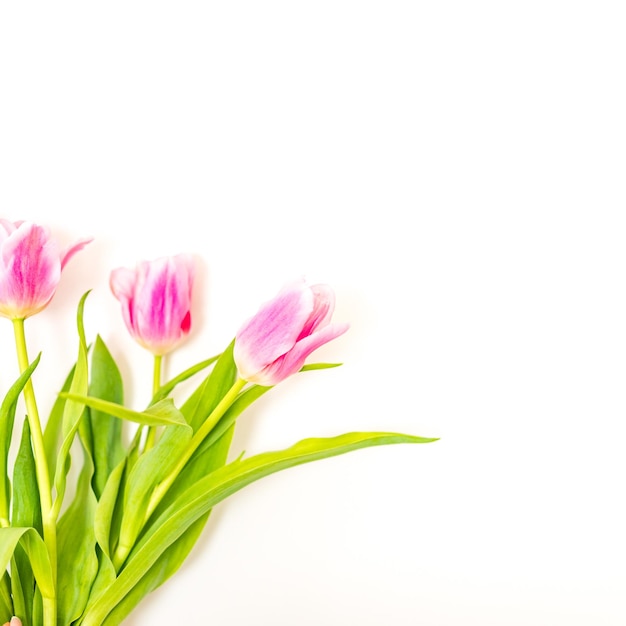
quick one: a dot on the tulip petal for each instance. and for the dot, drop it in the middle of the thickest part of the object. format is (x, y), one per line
(293, 361)
(122, 283)
(274, 330)
(156, 300)
(70, 252)
(323, 307)
(30, 271)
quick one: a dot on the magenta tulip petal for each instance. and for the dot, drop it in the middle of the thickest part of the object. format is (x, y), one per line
(30, 268)
(275, 342)
(156, 301)
(70, 252)
(273, 330)
(324, 305)
(293, 361)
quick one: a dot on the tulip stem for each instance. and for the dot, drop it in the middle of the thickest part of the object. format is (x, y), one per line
(156, 374)
(196, 440)
(156, 385)
(41, 463)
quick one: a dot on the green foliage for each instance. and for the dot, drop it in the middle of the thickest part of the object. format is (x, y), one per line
(106, 430)
(137, 509)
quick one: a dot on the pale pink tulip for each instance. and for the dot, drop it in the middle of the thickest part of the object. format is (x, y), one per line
(156, 301)
(15, 621)
(30, 267)
(274, 343)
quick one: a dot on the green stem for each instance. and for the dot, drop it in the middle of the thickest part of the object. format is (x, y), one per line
(196, 440)
(156, 385)
(41, 464)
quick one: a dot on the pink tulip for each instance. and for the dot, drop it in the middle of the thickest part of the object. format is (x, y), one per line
(274, 343)
(156, 301)
(15, 621)
(30, 267)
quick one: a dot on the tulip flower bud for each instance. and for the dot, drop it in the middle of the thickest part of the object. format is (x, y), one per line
(156, 301)
(274, 343)
(30, 268)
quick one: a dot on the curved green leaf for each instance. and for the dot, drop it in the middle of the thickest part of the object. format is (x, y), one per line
(26, 512)
(34, 546)
(214, 387)
(72, 411)
(163, 413)
(106, 430)
(209, 491)
(7, 417)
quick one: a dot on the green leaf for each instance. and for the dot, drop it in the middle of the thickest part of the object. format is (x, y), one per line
(6, 604)
(166, 565)
(72, 411)
(214, 387)
(213, 451)
(163, 413)
(209, 491)
(109, 502)
(26, 504)
(76, 541)
(7, 418)
(173, 557)
(26, 512)
(151, 468)
(319, 366)
(52, 431)
(105, 577)
(37, 553)
(106, 384)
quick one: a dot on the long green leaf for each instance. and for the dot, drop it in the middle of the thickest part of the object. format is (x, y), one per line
(163, 413)
(26, 512)
(151, 468)
(112, 495)
(34, 546)
(7, 417)
(52, 431)
(213, 451)
(76, 541)
(6, 604)
(72, 411)
(106, 430)
(173, 557)
(209, 491)
(164, 567)
(214, 387)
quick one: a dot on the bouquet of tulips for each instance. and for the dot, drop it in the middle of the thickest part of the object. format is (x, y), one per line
(140, 501)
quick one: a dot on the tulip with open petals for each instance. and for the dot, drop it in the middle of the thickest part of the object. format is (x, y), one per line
(156, 301)
(30, 267)
(275, 342)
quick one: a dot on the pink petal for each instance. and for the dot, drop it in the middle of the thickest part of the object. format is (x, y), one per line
(70, 252)
(163, 301)
(30, 270)
(273, 330)
(156, 300)
(122, 283)
(323, 307)
(293, 361)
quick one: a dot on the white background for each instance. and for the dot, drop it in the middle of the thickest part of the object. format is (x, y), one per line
(456, 171)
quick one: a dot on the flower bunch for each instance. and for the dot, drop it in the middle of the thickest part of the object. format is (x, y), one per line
(137, 508)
